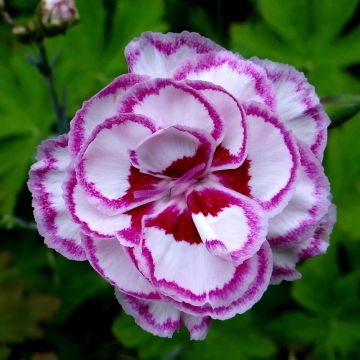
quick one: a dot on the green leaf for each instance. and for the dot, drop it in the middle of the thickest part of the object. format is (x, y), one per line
(97, 60)
(233, 335)
(20, 311)
(26, 117)
(330, 322)
(306, 34)
(85, 65)
(343, 168)
(240, 338)
(289, 19)
(4, 352)
(330, 17)
(295, 327)
(74, 290)
(148, 346)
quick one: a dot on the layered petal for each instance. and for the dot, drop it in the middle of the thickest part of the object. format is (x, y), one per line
(157, 317)
(319, 241)
(247, 288)
(171, 103)
(286, 257)
(180, 266)
(297, 105)
(173, 152)
(111, 261)
(245, 80)
(104, 169)
(273, 160)
(198, 326)
(306, 207)
(232, 226)
(88, 216)
(96, 110)
(285, 260)
(53, 220)
(158, 55)
(232, 151)
(130, 234)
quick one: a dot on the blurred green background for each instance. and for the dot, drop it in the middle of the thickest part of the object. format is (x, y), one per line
(52, 308)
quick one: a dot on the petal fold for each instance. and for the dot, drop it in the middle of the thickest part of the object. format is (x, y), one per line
(52, 217)
(104, 169)
(198, 326)
(110, 260)
(297, 105)
(157, 317)
(173, 152)
(273, 160)
(183, 270)
(88, 216)
(158, 55)
(232, 151)
(245, 80)
(307, 206)
(232, 226)
(96, 110)
(171, 103)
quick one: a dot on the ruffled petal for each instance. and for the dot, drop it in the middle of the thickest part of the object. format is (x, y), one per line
(157, 55)
(180, 266)
(245, 80)
(284, 266)
(157, 317)
(232, 226)
(319, 242)
(298, 106)
(130, 235)
(90, 219)
(273, 160)
(241, 293)
(110, 260)
(96, 110)
(232, 151)
(53, 220)
(286, 257)
(198, 326)
(307, 206)
(171, 103)
(104, 169)
(173, 152)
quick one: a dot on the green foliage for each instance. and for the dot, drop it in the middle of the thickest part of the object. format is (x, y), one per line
(329, 318)
(21, 312)
(25, 120)
(308, 35)
(343, 167)
(89, 58)
(148, 346)
(233, 335)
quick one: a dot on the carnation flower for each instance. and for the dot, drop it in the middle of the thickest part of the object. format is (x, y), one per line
(191, 183)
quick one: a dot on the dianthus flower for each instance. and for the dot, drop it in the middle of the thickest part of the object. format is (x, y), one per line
(190, 183)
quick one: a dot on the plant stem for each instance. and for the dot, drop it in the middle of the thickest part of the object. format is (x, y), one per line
(46, 70)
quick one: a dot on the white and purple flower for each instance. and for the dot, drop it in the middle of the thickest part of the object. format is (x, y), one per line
(190, 183)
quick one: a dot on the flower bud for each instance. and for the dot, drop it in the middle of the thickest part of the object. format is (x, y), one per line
(58, 15)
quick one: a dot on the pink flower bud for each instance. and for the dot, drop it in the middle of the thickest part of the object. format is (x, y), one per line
(58, 13)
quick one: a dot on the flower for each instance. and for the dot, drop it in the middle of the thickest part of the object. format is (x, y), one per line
(58, 14)
(190, 183)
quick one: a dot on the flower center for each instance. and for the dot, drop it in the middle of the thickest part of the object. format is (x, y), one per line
(183, 183)
(174, 187)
